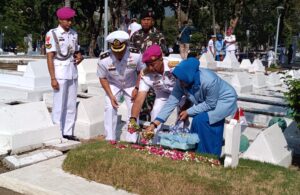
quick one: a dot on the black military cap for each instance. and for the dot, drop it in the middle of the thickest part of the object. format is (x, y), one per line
(147, 13)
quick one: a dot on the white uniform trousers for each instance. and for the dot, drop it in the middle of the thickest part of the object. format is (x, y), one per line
(111, 117)
(64, 105)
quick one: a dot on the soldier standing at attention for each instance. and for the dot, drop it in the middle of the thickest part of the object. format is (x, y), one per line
(118, 72)
(63, 56)
(148, 35)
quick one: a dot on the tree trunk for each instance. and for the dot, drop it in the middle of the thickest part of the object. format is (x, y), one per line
(237, 13)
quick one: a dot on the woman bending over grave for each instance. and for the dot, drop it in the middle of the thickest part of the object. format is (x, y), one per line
(213, 99)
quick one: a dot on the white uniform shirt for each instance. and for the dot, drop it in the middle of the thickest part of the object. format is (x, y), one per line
(162, 84)
(133, 27)
(121, 75)
(211, 44)
(64, 69)
(230, 46)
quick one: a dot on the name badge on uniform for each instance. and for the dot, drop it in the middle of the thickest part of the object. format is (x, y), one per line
(111, 67)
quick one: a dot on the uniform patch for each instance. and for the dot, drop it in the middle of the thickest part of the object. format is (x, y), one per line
(105, 55)
(48, 46)
(48, 39)
(134, 50)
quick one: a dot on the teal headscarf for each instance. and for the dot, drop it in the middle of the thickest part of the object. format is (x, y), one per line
(188, 72)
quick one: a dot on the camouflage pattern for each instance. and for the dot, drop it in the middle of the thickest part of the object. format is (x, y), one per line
(142, 41)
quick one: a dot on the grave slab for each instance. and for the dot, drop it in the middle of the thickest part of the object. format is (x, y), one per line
(251, 133)
(270, 146)
(246, 64)
(48, 178)
(21, 130)
(90, 117)
(232, 135)
(257, 66)
(207, 61)
(63, 147)
(241, 82)
(230, 62)
(273, 80)
(18, 161)
(87, 71)
(259, 80)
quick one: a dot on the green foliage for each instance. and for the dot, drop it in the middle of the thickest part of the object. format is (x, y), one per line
(170, 30)
(293, 97)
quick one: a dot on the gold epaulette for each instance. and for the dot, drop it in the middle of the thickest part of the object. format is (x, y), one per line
(104, 55)
(145, 71)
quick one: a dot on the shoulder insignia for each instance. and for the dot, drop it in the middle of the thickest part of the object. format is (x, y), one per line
(134, 50)
(105, 55)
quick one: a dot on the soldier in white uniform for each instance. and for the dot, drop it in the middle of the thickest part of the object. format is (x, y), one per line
(157, 75)
(230, 42)
(63, 56)
(118, 72)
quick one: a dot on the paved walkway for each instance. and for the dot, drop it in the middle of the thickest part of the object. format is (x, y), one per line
(47, 178)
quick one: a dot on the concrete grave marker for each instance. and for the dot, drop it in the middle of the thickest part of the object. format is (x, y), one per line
(257, 66)
(207, 61)
(259, 80)
(90, 117)
(274, 80)
(270, 146)
(246, 64)
(229, 61)
(26, 126)
(87, 71)
(232, 136)
(241, 82)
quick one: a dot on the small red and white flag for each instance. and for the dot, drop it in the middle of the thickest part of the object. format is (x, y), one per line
(240, 117)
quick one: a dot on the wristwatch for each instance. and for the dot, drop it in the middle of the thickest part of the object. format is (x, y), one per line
(155, 125)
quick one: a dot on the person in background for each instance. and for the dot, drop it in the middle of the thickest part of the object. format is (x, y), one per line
(213, 100)
(230, 41)
(148, 35)
(211, 45)
(270, 57)
(133, 27)
(184, 39)
(219, 46)
(118, 71)
(63, 56)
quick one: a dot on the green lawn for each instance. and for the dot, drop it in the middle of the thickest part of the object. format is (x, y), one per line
(142, 173)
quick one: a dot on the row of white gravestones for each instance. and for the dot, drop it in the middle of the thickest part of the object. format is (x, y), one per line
(207, 61)
(230, 61)
(256, 66)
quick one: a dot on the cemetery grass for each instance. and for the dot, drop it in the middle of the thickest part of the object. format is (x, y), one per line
(141, 173)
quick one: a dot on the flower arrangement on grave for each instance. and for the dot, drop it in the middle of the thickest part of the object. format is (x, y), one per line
(133, 127)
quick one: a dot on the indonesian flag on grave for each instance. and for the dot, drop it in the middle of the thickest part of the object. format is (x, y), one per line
(240, 117)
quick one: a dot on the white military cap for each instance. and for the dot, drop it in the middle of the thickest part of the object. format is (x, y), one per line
(117, 40)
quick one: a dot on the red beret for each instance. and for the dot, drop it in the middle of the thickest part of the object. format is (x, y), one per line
(152, 53)
(65, 13)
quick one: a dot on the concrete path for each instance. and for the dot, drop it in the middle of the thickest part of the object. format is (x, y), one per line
(48, 178)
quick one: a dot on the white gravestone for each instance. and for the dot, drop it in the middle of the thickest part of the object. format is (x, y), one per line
(270, 146)
(90, 118)
(241, 82)
(274, 80)
(87, 71)
(207, 61)
(246, 64)
(229, 61)
(259, 80)
(232, 135)
(257, 66)
(24, 127)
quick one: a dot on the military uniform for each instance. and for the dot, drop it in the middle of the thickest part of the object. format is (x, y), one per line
(142, 40)
(122, 77)
(64, 44)
(162, 85)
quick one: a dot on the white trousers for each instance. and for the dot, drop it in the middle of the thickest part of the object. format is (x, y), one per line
(64, 105)
(111, 117)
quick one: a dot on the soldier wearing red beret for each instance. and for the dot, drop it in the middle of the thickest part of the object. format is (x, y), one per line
(63, 56)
